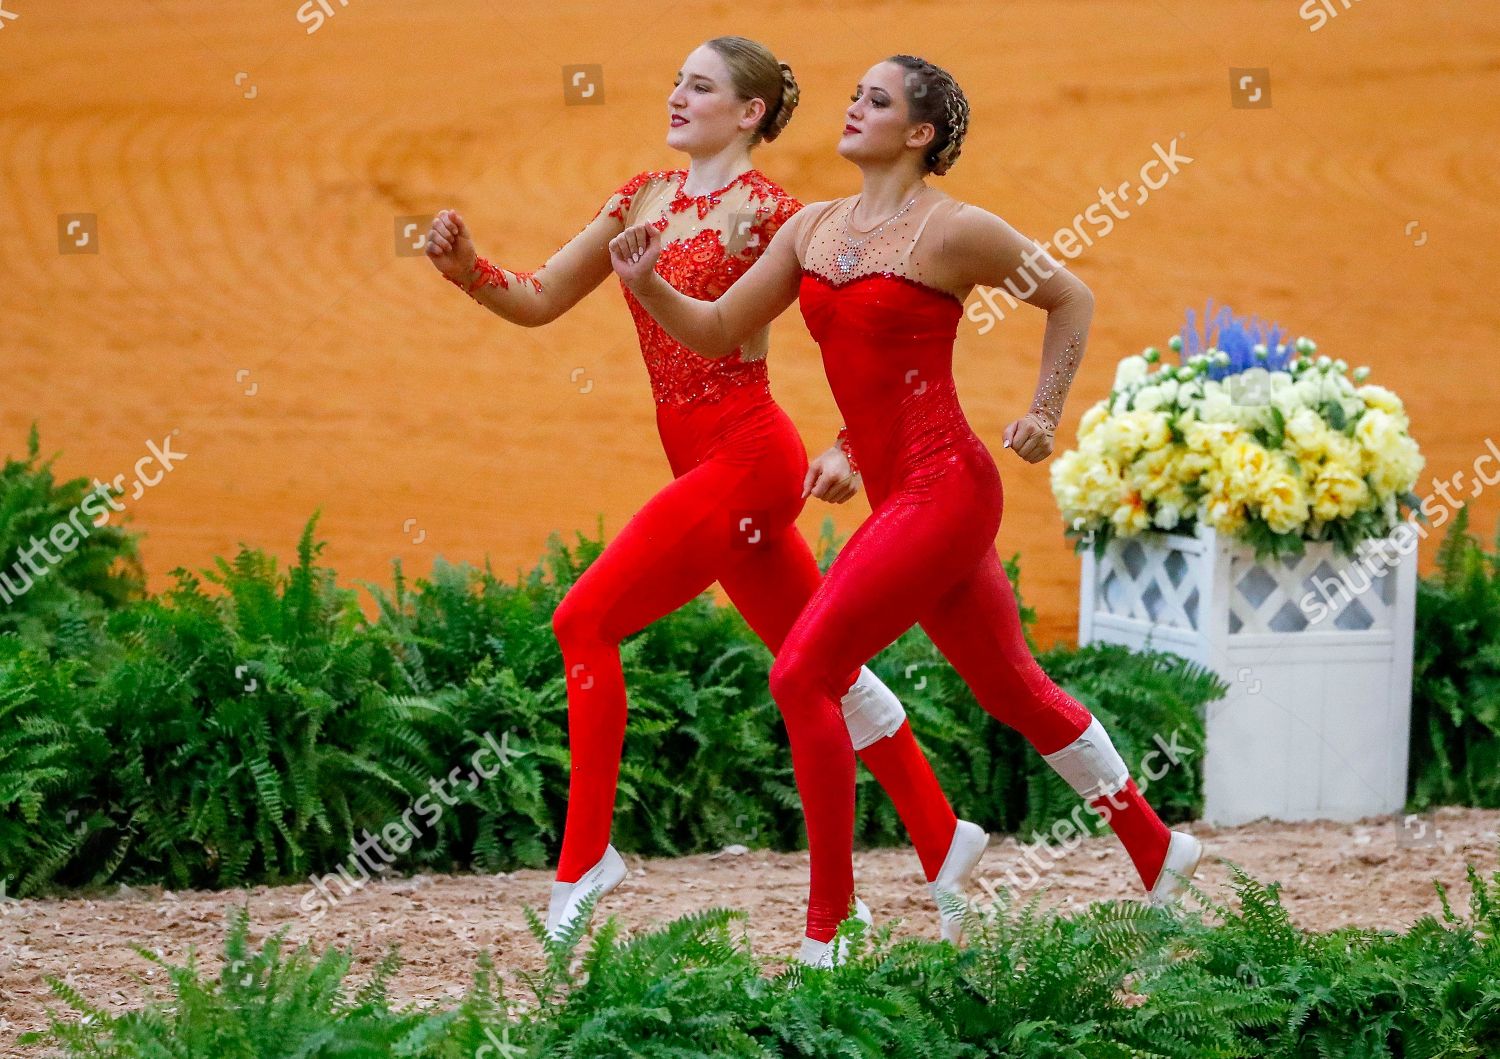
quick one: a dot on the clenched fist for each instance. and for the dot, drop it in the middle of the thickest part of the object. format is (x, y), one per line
(634, 251)
(1030, 437)
(449, 247)
(829, 477)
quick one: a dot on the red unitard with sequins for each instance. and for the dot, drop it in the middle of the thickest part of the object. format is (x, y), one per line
(729, 514)
(926, 554)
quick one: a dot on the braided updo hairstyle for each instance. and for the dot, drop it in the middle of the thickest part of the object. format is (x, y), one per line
(932, 95)
(757, 75)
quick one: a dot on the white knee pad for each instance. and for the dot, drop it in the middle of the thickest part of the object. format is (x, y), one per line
(1091, 764)
(871, 710)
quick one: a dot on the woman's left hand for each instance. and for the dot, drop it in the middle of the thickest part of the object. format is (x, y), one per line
(829, 478)
(1030, 438)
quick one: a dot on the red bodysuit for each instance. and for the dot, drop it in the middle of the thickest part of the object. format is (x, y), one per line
(927, 553)
(729, 514)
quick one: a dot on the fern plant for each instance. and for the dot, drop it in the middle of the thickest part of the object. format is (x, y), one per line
(1118, 979)
(1455, 733)
(58, 605)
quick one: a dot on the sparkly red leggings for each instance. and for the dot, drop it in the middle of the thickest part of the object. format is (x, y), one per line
(925, 555)
(728, 516)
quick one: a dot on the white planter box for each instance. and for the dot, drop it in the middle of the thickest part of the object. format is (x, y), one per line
(1317, 721)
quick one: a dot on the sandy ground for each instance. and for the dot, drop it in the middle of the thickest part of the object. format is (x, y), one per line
(248, 177)
(1375, 873)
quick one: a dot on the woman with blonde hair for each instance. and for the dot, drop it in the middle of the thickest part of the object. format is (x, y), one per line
(740, 471)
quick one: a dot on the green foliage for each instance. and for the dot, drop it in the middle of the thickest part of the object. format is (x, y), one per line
(1117, 980)
(44, 742)
(97, 569)
(249, 724)
(1455, 733)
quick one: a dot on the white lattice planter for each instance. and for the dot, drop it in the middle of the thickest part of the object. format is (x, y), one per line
(1316, 724)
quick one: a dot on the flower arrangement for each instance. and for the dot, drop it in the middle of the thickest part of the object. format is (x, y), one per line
(1251, 433)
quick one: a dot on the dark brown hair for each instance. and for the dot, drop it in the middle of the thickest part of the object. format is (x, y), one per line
(932, 95)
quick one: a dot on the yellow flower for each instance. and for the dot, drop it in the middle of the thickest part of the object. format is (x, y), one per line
(1307, 435)
(1086, 484)
(1338, 492)
(1130, 517)
(1092, 418)
(1127, 434)
(1219, 509)
(1245, 462)
(1154, 472)
(1208, 437)
(1100, 485)
(1342, 451)
(1390, 457)
(1192, 465)
(1283, 501)
(1383, 399)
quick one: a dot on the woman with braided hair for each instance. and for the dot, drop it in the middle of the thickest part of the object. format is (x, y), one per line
(740, 471)
(881, 278)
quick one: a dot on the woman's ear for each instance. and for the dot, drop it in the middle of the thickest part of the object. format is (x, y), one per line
(755, 113)
(922, 135)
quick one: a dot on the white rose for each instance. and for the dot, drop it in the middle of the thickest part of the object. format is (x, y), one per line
(1130, 370)
(1148, 399)
(1218, 408)
(1309, 389)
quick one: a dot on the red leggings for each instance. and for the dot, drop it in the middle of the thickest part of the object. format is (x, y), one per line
(925, 555)
(728, 516)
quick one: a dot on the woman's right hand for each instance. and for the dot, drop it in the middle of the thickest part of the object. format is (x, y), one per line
(633, 253)
(449, 247)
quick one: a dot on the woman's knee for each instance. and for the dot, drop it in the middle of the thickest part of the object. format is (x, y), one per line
(576, 619)
(799, 676)
(792, 678)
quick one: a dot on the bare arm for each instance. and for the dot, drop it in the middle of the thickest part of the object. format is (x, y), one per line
(711, 328)
(981, 248)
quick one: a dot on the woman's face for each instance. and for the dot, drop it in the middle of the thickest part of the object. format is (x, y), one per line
(878, 124)
(705, 114)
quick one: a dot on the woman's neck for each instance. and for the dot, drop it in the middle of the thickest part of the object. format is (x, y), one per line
(711, 172)
(882, 193)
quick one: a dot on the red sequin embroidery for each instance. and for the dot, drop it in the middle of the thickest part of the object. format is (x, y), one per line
(704, 266)
(489, 275)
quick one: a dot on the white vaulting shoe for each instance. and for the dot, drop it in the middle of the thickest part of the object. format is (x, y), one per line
(566, 896)
(816, 953)
(1183, 854)
(969, 842)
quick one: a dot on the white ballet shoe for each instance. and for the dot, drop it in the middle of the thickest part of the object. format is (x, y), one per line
(968, 845)
(1184, 851)
(816, 953)
(566, 896)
